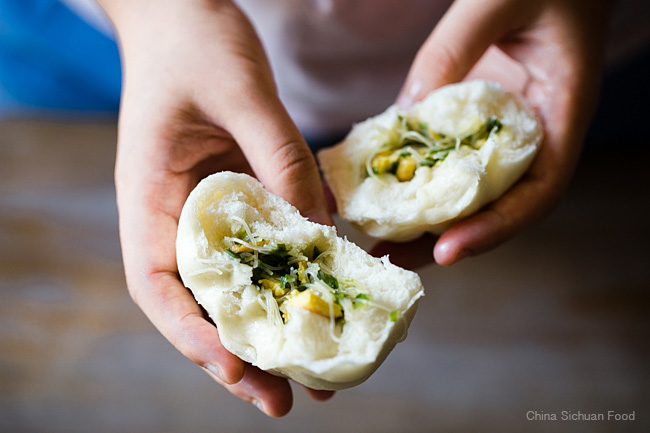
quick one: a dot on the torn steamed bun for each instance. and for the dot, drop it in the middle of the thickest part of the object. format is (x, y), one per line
(403, 173)
(286, 294)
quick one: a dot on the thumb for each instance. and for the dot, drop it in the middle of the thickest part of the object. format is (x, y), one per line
(458, 41)
(280, 157)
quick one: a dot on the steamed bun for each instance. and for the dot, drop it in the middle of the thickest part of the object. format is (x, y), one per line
(287, 294)
(403, 173)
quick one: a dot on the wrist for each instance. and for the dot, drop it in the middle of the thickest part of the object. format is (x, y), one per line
(132, 15)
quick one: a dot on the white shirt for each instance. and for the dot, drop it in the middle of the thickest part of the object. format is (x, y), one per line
(340, 61)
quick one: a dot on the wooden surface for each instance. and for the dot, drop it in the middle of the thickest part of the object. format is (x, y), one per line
(556, 320)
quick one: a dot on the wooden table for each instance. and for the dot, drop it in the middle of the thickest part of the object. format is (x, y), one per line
(555, 321)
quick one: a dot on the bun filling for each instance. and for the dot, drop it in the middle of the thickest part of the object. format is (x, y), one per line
(407, 147)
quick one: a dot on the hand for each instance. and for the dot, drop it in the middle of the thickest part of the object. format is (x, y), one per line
(549, 51)
(198, 98)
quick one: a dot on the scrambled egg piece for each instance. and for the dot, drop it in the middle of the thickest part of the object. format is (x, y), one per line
(274, 286)
(314, 303)
(302, 276)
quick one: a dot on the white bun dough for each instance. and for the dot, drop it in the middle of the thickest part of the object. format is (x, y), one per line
(305, 348)
(385, 208)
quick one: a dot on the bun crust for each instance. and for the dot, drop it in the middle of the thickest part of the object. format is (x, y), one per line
(384, 207)
(306, 348)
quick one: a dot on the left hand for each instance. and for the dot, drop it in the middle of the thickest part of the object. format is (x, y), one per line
(550, 52)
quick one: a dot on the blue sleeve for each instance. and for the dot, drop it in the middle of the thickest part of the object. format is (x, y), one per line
(52, 60)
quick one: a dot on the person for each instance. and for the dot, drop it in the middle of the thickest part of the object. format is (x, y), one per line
(199, 96)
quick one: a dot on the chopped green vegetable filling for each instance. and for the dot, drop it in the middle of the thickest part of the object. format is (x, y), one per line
(418, 146)
(232, 254)
(293, 276)
(328, 279)
(286, 276)
(360, 299)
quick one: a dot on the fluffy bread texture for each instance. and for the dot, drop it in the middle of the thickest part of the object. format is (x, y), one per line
(304, 349)
(466, 180)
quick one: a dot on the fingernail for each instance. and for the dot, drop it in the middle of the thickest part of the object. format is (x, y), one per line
(406, 100)
(445, 256)
(258, 404)
(216, 371)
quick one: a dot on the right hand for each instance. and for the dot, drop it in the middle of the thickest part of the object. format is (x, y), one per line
(198, 98)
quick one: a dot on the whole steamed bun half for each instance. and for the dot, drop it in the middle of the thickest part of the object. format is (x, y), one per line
(403, 173)
(286, 294)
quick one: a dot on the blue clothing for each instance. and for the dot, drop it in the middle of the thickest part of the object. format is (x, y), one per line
(52, 61)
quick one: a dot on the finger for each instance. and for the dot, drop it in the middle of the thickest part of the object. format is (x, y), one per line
(410, 255)
(147, 238)
(319, 394)
(329, 198)
(175, 313)
(528, 202)
(270, 394)
(458, 41)
(285, 165)
(279, 155)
